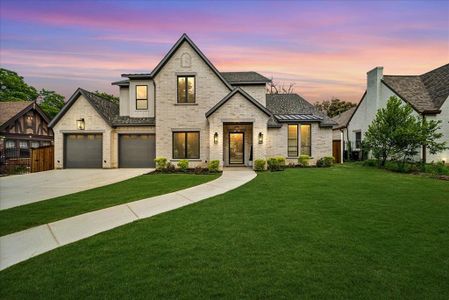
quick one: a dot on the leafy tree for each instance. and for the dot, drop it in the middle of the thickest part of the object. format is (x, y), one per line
(110, 97)
(396, 134)
(50, 102)
(13, 88)
(334, 106)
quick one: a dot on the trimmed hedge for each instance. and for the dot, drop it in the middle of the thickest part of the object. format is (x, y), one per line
(214, 166)
(325, 162)
(259, 164)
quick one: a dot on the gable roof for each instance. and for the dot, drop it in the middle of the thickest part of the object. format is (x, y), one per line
(426, 93)
(185, 38)
(342, 119)
(108, 110)
(12, 110)
(293, 105)
(242, 78)
(245, 95)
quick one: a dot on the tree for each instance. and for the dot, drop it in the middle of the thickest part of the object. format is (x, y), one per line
(50, 102)
(334, 106)
(13, 88)
(396, 134)
(280, 88)
(107, 96)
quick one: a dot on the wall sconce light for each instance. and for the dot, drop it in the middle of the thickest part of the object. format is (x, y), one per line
(216, 138)
(80, 124)
(260, 138)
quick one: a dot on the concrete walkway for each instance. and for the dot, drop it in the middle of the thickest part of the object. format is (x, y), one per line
(23, 245)
(24, 189)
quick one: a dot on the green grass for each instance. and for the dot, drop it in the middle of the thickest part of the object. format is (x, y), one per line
(43, 212)
(343, 232)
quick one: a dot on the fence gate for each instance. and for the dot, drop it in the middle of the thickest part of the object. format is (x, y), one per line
(42, 159)
(336, 150)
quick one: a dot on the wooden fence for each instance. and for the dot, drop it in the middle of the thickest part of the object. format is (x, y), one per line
(42, 159)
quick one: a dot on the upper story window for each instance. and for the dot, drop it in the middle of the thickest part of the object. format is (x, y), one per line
(292, 141)
(186, 89)
(306, 140)
(141, 97)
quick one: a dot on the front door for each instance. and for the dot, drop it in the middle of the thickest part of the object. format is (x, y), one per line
(236, 148)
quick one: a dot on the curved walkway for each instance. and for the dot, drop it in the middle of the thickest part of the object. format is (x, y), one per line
(23, 245)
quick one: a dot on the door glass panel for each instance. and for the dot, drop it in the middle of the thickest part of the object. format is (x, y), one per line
(236, 155)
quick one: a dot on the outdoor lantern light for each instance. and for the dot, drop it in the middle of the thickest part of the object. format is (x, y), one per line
(80, 124)
(216, 138)
(260, 138)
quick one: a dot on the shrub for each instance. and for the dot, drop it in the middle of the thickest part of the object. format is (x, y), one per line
(259, 164)
(213, 166)
(438, 168)
(303, 160)
(325, 162)
(370, 163)
(183, 165)
(276, 163)
(161, 163)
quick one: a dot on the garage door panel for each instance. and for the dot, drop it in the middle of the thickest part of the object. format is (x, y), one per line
(83, 150)
(137, 150)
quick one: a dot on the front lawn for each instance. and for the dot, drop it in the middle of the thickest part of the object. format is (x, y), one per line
(344, 232)
(141, 187)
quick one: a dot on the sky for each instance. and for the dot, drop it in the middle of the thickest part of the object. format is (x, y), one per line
(324, 47)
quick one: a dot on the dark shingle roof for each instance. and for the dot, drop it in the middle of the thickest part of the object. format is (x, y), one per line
(426, 93)
(124, 82)
(343, 118)
(236, 78)
(293, 104)
(108, 110)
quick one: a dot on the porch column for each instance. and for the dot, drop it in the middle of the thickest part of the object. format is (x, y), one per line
(216, 149)
(259, 150)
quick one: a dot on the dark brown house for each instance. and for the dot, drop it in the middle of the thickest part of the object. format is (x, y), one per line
(23, 125)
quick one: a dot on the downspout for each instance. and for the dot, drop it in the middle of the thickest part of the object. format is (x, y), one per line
(424, 149)
(342, 145)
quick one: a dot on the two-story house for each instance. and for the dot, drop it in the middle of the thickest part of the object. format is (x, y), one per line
(186, 109)
(427, 94)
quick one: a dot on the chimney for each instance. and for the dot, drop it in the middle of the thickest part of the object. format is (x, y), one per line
(373, 84)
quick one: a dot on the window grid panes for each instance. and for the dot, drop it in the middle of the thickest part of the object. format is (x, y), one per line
(186, 89)
(186, 145)
(292, 140)
(141, 97)
(306, 140)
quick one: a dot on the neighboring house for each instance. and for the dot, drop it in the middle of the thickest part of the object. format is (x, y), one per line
(427, 93)
(340, 134)
(186, 109)
(23, 125)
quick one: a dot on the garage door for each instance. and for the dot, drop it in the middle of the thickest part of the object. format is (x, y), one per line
(83, 150)
(136, 150)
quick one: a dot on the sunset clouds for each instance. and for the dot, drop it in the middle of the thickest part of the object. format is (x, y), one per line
(325, 48)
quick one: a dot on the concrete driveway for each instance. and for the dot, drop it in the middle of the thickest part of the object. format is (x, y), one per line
(24, 189)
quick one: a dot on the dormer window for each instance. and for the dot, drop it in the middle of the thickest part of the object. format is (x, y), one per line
(186, 89)
(141, 97)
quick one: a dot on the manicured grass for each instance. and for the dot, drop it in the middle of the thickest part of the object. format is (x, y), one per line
(344, 232)
(23, 217)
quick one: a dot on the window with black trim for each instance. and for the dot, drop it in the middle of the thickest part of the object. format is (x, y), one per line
(186, 145)
(141, 97)
(186, 89)
(292, 146)
(306, 140)
(358, 139)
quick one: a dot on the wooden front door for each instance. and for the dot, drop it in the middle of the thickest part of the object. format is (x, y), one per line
(236, 148)
(336, 150)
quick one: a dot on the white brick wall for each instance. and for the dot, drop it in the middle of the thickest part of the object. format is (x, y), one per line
(321, 142)
(258, 92)
(172, 116)
(235, 110)
(82, 109)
